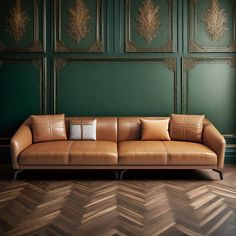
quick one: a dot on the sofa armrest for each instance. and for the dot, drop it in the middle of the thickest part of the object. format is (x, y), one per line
(214, 140)
(20, 141)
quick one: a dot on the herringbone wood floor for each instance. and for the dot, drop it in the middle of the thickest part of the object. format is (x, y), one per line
(145, 203)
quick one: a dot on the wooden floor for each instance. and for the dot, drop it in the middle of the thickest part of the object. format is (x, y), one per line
(91, 203)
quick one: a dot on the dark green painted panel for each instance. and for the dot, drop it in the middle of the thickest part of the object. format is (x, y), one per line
(211, 90)
(33, 36)
(198, 10)
(94, 26)
(19, 94)
(88, 41)
(115, 88)
(162, 37)
(163, 41)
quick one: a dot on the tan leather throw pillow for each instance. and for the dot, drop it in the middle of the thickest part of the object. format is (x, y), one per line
(155, 130)
(186, 127)
(48, 128)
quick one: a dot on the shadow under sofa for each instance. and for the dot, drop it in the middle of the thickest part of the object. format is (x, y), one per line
(118, 147)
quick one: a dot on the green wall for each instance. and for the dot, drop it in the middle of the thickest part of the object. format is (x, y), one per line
(113, 71)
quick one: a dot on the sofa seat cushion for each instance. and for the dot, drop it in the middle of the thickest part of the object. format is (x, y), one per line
(142, 153)
(47, 153)
(93, 153)
(188, 153)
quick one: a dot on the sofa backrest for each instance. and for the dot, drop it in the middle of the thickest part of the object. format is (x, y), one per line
(129, 128)
(106, 127)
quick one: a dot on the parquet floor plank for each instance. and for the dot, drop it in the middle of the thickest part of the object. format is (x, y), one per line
(133, 207)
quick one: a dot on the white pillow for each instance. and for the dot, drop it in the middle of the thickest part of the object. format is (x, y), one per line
(85, 130)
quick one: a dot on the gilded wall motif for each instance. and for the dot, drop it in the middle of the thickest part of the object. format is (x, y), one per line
(17, 21)
(79, 17)
(212, 26)
(150, 26)
(148, 21)
(215, 20)
(78, 26)
(23, 27)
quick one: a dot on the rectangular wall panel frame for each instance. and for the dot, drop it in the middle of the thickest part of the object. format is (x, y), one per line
(36, 45)
(39, 63)
(98, 45)
(59, 63)
(193, 45)
(189, 63)
(168, 47)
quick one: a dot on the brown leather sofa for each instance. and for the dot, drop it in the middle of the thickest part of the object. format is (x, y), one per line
(118, 147)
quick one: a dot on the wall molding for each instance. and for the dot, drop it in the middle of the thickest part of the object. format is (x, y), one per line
(194, 45)
(189, 63)
(40, 63)
(59, 63)
(130, 45)
(38, 44)
(98, 45)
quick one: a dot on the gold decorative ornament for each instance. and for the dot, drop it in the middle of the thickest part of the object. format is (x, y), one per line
(170, 63)
(215, 20)
(17, 21)
(189, 63)
(78, 21)
(148, 21)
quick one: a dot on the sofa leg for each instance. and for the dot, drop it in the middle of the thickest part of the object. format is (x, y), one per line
(116, 173)
(220, 173)
(122, 174)
(16, 172)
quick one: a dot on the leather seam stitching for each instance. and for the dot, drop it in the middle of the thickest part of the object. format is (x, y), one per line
(50, 128)
(167, 153)
(69, 149)
(184, 127)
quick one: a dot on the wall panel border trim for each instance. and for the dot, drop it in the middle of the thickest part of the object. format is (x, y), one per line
(98, 45)
(59, 63)
(41, 65)
(193, 45)
(189, 63)
(39, 43)
(169, 45)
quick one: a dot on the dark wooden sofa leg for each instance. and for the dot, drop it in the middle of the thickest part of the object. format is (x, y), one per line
(116, 173)
(220, 173)
(122, 174)
(16, 172)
